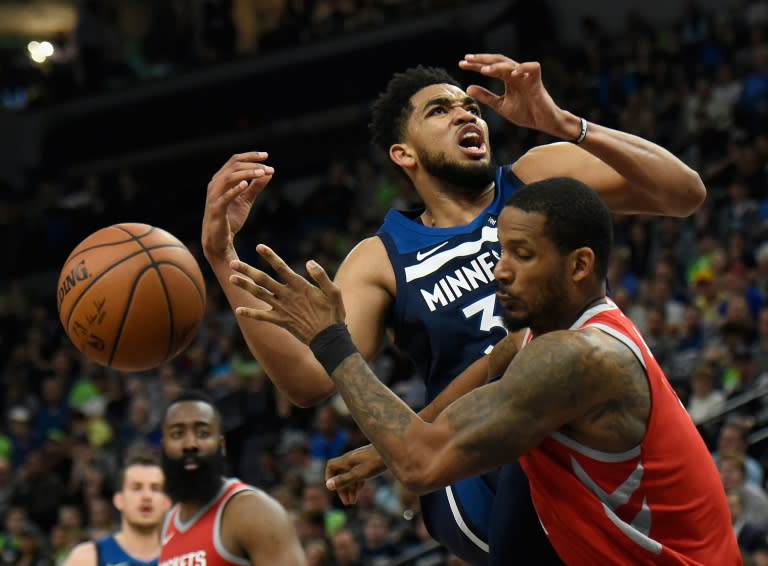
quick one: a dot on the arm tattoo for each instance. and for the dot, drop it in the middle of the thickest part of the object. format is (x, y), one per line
(379, 413)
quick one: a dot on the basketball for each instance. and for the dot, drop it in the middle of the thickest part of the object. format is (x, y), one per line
(131, 296)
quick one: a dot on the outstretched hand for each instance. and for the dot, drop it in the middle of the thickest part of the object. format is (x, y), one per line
(296, 305)
(525, 102)
(347, 473)
(231, 193)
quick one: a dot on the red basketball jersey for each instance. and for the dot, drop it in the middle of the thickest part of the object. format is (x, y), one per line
(660, 503)
(197, 541)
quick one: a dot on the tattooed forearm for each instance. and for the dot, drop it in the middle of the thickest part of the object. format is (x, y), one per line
(379, 413)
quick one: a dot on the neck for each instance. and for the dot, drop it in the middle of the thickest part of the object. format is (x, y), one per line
(447, 208)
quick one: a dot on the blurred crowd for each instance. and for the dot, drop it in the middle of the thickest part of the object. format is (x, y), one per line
(117, 43)
(696, 287)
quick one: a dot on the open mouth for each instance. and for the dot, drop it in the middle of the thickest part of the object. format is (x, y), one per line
(472, 141)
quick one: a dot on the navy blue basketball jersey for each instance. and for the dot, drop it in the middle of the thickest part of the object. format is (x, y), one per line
(110, 553)
(445, 314)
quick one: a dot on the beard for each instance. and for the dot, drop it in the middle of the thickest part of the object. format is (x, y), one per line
(466, 179)
(199, 485)
(542, 314)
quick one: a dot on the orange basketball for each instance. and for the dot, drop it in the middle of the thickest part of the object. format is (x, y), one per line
(131, 296)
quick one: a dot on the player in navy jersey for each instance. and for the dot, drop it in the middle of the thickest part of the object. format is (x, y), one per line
(142, 505)
(428, 272)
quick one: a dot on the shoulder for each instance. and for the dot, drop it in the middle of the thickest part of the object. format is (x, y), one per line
(367, 251)
(251, 507)
(83, 554)
(366, 262)
(578, 358)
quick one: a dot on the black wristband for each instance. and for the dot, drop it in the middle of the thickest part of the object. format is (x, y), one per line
(332, 345)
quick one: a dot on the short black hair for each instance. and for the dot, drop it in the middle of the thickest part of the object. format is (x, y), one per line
(195, 395)
(575, 216)
(391, 109)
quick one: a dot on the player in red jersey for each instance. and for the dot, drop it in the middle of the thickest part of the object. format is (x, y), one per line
(618, 472)
(216, 521)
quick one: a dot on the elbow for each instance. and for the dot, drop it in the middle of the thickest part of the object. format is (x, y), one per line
(694, 196)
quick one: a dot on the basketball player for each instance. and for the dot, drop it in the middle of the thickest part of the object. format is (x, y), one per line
(216, 521)
(429, 272)
(142, 505)
(619, 474)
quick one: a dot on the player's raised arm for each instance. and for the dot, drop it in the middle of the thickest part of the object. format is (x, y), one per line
(631, 174)
(288, 363)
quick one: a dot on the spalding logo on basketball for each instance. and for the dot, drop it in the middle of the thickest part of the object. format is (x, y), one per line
(131, 296)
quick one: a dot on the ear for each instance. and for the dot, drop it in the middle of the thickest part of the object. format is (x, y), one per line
(222, 446)
(402, 155)
(582, 263)
(118, 501)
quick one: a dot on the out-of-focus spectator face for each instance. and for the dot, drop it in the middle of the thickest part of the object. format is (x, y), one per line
(737, 309)
(376, 530)
(70, 517)
(702, 382)
(138, 413)
(731, 473)
(52, 390)
(35, 466)
(100, 513)
(315, 498)
(731, 439)
(326, 421)
(317, 553)
(346, 549)
(15, 519)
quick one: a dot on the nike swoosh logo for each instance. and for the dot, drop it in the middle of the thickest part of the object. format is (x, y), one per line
(167, 538)
(420, 256)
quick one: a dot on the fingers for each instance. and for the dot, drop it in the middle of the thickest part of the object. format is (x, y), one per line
(349, 494)
(499, 66)
(320, 276)
(238, 168)
(253, 280)
(281, 268)
(476, 61)
(484, 96)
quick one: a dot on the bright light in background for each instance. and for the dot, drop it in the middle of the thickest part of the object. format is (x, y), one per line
(39, 51)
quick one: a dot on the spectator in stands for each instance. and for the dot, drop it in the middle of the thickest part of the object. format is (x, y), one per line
(705, 399)
(329, 438)
(346, 548)
(317, 499)
(733, 440)
(378, 548)
(733, 472)
(748, 535)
